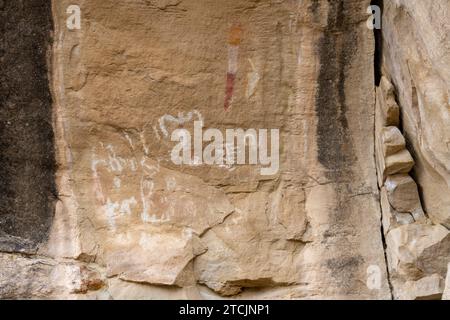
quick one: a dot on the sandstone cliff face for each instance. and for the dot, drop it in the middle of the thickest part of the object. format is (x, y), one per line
(130, 223)
(125, 81)
(415, 56)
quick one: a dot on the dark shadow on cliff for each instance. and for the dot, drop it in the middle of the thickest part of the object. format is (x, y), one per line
(27, 157)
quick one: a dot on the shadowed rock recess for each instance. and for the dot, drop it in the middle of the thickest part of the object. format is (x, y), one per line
(357, 210)
(27, 159)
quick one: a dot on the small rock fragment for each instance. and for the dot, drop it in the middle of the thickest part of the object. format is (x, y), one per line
(392, 141)
(403, 194)
(391, 218)
(427, 288)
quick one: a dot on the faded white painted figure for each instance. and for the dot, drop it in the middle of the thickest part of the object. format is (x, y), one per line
(218, 153)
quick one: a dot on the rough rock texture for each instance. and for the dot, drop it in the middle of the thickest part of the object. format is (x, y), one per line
(402, 194)
(416, 57)
(22, 277)
(391, 154)
(415, 88)
(391, 218)
(137, 70)
(358, 164)
(417, 250)
(427, 288)
(27, 159)
(446, 295)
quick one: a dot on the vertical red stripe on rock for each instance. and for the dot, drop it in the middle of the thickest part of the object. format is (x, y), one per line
(229, 90)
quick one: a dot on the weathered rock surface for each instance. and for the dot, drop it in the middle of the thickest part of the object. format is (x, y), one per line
(392, 141)
(427, 288)
(446, 295)
(415, 48)
(27, 157)
(429, 255)
(391, 154)
(391, 218)
(411, 238)
(387, 110)
(40, 277)
(403, 195)
(416, 56)
(416, 251)
(132, 223)
(124, 84)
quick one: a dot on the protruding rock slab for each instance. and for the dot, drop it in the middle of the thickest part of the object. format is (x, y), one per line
(416, 60)
(391, 154)
(397, 163)
(392, 141)
(37, 278)
(402, 193)
(391, 218)
(240, 256)
(426, 288)
(387, 110)
(416, 250)
(400, 162)
(154, 256)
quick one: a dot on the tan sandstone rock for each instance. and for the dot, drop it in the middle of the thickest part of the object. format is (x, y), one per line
(391, 218)
(387, 110)
(416, 58)
(427, 288)
(137, 71)
(403, 194)
(133, 223)
(446, 295)
(392, 141)
(42, 278)
(400, 162)
(418, 250)
(138, 256)
(390, 146)
(397, 163)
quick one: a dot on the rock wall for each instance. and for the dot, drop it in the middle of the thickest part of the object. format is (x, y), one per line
(417, 249)
(128, 78)
(27, 158)
(414, 114)
(338, 217)
(416, 56)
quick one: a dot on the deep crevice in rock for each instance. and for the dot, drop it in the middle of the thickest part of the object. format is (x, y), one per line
(378, 44)
(377, 63)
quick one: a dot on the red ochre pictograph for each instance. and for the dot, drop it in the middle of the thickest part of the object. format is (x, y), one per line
(234, 40)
